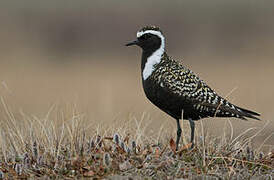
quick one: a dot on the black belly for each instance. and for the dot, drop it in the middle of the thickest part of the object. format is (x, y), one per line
(170, 102)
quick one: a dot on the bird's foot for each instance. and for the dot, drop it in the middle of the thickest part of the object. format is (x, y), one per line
(192, 146)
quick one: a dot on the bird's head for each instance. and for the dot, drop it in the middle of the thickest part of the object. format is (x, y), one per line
(149, 38)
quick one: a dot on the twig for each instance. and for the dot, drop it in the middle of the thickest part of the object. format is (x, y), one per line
(243, 161)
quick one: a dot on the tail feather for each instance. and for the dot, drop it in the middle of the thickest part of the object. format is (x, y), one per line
(248, 113)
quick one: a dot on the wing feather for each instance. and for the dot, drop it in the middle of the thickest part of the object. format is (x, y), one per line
(183, 82)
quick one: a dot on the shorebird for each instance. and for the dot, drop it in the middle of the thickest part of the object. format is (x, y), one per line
(173, 88)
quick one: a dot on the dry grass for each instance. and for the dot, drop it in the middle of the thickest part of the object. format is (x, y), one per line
(63, 144)
(58, 121)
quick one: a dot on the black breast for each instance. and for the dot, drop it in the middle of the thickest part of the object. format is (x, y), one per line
(168, 101)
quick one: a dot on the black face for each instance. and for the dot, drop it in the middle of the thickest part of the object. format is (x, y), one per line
(148, 42)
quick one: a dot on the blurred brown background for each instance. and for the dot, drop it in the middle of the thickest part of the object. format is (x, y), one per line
(72, 52)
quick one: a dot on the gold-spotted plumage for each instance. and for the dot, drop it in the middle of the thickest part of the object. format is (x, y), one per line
(183, 82)
(173, 88)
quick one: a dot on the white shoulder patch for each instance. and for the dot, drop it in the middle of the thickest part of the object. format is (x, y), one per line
(155, 58)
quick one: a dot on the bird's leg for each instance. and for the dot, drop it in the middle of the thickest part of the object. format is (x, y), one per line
(179, 132)
(192, 126)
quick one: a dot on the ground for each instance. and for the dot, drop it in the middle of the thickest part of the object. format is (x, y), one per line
(43, 150)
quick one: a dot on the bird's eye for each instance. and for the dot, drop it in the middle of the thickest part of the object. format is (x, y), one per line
(145, 36)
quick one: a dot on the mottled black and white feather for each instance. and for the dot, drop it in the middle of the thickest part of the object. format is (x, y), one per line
(204, 101)
(175, 89)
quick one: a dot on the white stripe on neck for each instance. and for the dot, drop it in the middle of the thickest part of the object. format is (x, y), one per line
(155, 58)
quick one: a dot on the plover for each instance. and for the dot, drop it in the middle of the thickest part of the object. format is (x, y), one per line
(173, 88)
